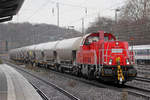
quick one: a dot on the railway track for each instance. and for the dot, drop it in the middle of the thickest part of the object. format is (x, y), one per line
(135, 90)
(126, 88)
(138, 94)
(143, 79)
(69, 95)
(44, 97)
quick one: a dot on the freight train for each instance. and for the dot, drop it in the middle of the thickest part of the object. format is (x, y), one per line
(94, 56)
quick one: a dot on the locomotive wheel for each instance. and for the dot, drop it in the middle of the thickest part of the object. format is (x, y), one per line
(56, 68)
(60, 69)
(31, 63)
(45, 65)
(90, 75)
(75, 71)
(79, 73)
(38, 64)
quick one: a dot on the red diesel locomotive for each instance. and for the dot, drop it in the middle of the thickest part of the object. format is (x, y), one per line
(102, 56)
(96, 55)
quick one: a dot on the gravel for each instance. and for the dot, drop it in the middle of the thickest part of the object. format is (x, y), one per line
(143, 85)
(143, 70)
(50, 92)
(81, 90)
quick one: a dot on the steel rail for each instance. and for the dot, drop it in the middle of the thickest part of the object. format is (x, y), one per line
(143, 79)
(147, 97)
(40, 92)
(72, 97)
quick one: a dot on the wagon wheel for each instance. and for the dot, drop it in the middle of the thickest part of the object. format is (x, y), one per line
(57, 67)
(34, 64)
(79, 72)
(75, 71)
(90, 74)
(60, 69)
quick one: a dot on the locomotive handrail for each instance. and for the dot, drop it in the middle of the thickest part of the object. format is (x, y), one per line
(107, 52)
(130, 57)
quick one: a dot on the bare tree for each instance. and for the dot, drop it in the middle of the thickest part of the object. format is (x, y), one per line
(134, 22)
(135, 10)
(101, 23)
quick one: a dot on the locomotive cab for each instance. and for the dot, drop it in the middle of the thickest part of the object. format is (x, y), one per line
(118, 61)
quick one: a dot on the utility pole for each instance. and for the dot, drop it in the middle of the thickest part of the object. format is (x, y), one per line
(116, 15)
(145, 9)
(83, 30)
(58, 14)
(116, 21)
(83, 26)
(6, 45)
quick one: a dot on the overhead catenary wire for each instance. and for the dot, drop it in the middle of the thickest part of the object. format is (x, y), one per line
(60, 3)
(39, 9)
(71, 5)
(54, 2)
(91, 15)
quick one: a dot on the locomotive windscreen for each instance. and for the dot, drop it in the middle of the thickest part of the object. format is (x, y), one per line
(117, 50)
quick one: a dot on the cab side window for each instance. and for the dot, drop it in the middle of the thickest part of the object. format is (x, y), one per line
(86, 42)
(105, 38)
(91, 39)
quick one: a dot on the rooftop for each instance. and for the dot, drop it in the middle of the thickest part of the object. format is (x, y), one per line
(9, 8)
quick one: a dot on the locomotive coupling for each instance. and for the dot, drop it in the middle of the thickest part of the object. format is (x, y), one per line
(119, 71)
(120, 74)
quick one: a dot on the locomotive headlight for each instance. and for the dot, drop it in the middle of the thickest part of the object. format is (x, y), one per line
(127, 61)
(110, 61)
(117, 43)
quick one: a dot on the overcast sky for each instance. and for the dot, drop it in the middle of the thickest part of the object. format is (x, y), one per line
(71, 11)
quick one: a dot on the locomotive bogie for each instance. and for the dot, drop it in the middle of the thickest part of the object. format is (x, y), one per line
(129, 73)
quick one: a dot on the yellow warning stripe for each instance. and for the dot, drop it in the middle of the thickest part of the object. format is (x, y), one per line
(120, 74)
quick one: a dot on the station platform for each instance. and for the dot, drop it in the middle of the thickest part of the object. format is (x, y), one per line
(13, 86)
